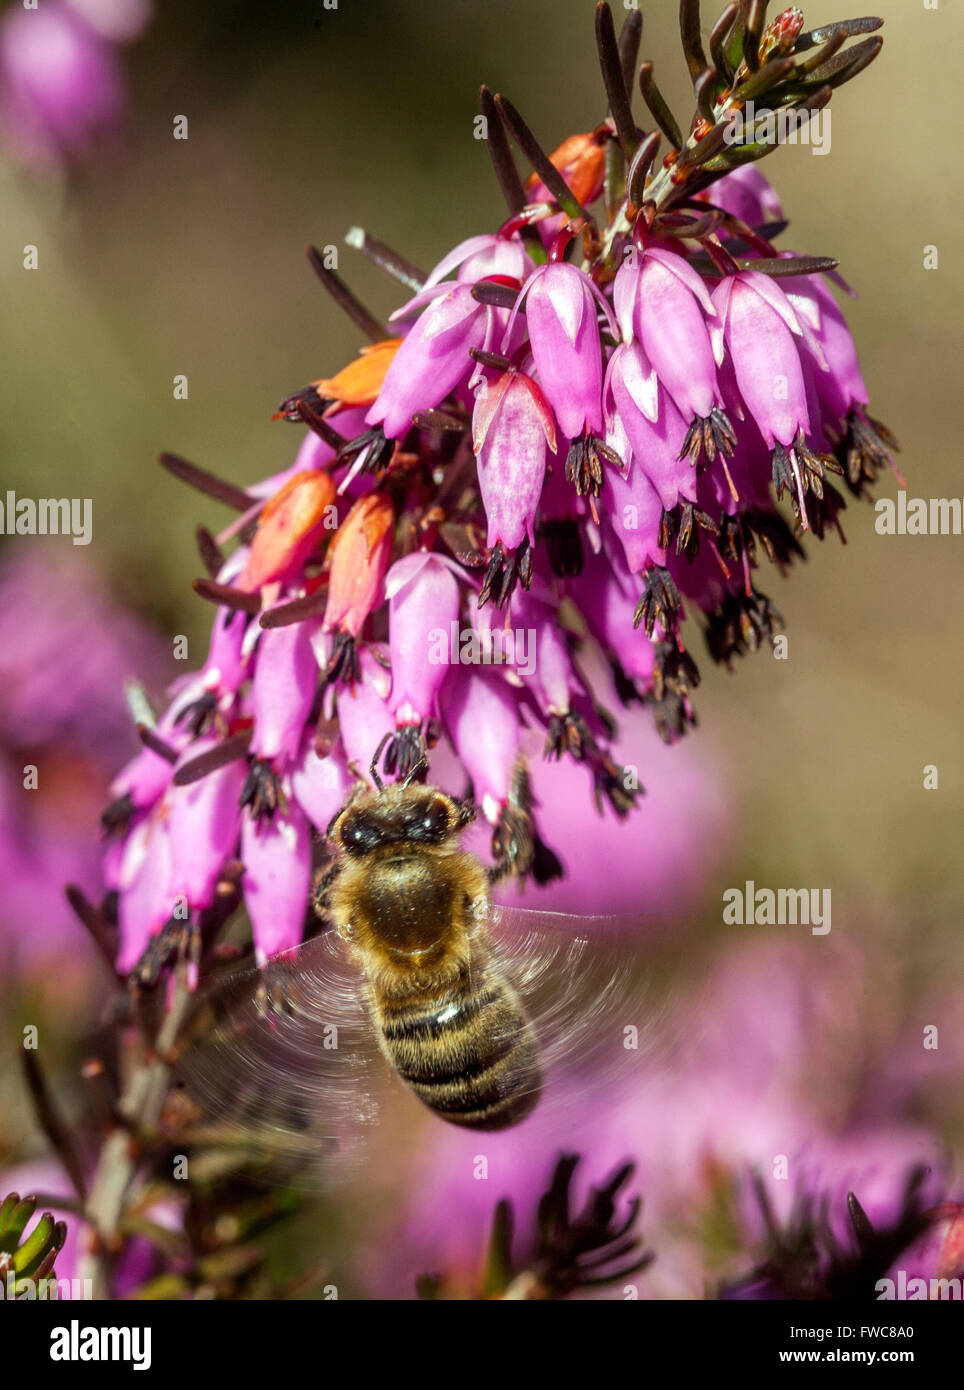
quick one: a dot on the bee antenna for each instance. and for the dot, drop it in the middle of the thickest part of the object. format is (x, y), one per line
(373, 769)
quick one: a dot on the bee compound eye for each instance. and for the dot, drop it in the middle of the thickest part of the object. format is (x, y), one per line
(435, 821)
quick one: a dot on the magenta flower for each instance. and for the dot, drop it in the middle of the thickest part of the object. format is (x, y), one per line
(560, 305)
(434, 357)
(655, 429)
(482, 257)
(146, 896)
(423, 601)
(606, 597)
(865, 445)
(758, 326)
(321, 784)
(757, 323)
(746, 194)
(661, 300)
(635, 513)
(277, 878)
(62, 710)
(364, 713)
(204, 820)
(483, 717)
(513, 432)
(285, 678)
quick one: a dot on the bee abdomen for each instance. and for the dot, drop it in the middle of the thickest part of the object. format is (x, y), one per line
(472, 1058)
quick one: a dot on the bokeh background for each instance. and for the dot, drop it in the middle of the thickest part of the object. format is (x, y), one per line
(161, 256)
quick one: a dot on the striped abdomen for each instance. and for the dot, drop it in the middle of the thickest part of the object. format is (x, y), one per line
(469, 1054)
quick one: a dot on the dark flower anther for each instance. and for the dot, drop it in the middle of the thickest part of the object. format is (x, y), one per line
(503, 570)
(116, 818)
(823, 510)
(799, 470)
(569, 1249)
(584, 464)
(707, 437)
(343, 664)
(368, 452)
(563, 542)
(683, 524)
(262, 791)
(517, 848)
(659, 603)
(803, 1257)
(781, 545)
(198, 716)
(740, 624)
(864, 449)
(406, 750)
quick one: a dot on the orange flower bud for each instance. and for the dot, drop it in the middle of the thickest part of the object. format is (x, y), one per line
(289, 528)
(358, 557)
(581, 160)
(360, 382)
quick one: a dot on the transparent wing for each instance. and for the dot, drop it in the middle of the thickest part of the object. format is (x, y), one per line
(283, 1075)
(280, 1071)
(600, 1015)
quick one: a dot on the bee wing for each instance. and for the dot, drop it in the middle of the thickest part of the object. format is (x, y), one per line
(281, 1068)
(598, 1013)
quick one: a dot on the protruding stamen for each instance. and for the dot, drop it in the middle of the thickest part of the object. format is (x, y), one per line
(209, 551)
(156, 744)
(102, 932)
(206, 482)
(307, 606)
(344, 297)
(385, 258)
(226, 595)
(227, 751)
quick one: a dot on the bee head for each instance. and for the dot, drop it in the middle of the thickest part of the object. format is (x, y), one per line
(412, 815)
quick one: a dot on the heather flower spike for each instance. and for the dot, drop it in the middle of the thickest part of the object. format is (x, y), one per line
(580, 424)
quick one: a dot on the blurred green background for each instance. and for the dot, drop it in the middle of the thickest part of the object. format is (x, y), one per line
(175, 256)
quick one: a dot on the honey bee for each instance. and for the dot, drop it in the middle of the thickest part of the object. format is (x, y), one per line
(414, 908)
(472, 1004)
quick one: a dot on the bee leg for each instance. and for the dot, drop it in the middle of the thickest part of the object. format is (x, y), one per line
(497, 872)
(373, 769)
(323, 880)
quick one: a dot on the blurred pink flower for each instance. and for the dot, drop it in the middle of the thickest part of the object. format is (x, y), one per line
(62, 710)
(731, 1092)
(61, 88)
(139, 1260)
